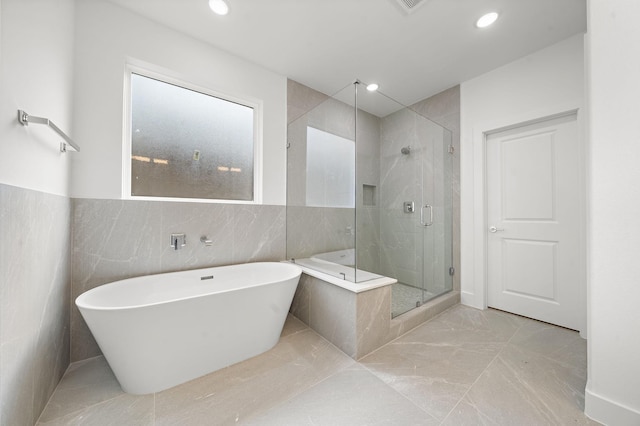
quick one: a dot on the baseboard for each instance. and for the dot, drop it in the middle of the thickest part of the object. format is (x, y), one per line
(609, 412)
(469, 299)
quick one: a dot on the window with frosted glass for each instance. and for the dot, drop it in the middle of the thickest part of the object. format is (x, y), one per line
(187, 144)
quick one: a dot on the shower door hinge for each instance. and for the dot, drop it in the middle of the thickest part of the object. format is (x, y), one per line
(452, 271)
(288, 145)
(451, 149)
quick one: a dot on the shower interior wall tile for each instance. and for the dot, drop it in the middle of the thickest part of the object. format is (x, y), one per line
(312, 230)
(297, 162)
(334, 117)
(443, 104)
(339, 227)
(34, 300)
(119, 239)
(368, 239)
(301, 99)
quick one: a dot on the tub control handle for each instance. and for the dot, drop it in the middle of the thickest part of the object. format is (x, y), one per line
(206, 241)
(178, 241)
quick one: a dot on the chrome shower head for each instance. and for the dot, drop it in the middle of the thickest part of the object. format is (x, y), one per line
(406, 150)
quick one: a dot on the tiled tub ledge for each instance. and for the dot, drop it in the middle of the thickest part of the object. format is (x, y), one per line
(356, 318)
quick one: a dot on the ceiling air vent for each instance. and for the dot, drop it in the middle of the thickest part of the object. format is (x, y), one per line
(410, 6)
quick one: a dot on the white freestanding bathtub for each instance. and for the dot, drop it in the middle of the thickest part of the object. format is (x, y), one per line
(158, 331)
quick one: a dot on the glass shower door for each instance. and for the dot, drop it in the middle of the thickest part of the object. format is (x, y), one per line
(437, 210)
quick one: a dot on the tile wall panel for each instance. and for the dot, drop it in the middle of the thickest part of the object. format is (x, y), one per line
(35, 287)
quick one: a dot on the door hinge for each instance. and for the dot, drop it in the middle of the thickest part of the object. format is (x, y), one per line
(451, 149)
(452, 271)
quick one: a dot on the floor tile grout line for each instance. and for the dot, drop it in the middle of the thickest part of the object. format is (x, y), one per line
(398, 392)
(92, 406)
(504, 345)
(281, 403)
(408, 331)
(357, 362)
(314, 384)
(473, 384)
(545, 356)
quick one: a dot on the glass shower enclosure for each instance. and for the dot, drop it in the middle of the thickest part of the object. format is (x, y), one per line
(370, 194)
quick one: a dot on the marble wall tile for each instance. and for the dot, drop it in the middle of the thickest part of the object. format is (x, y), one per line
(259, 233)
(358, 323)
(17, 381)
(118, 239)
(312, 230)
(112, 240)
(215, 221)
(301, 99)
(35, 279)
(333, 315)
(373, 314)
(368, 239)
(305, 231)
(301, 304)
(297, 162)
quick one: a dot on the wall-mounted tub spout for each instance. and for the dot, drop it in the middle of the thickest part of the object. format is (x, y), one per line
(206, 241)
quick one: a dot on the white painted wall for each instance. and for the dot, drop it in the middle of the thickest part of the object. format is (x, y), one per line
(107, 37)
(36, 75)
(541, 84)
(613, 387)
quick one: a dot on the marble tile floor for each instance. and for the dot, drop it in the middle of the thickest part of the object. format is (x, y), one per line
(464, 367)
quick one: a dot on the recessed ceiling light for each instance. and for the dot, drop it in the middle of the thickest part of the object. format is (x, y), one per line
(486, 20)
(372, 87)
(219, 7)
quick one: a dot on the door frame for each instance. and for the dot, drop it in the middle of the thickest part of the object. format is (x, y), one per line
(474, 235)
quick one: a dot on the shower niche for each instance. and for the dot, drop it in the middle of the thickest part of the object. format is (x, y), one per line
(353, 162)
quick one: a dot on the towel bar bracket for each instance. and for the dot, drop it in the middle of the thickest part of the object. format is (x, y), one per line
(25, 119)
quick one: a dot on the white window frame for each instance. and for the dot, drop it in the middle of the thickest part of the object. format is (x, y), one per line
(169, 77)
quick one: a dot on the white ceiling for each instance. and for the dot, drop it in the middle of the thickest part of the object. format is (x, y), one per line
(327, 44)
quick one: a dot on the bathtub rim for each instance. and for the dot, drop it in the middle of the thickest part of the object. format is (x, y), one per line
(80, 304)
(345, 284)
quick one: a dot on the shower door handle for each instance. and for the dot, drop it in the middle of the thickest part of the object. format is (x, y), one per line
(422, 222)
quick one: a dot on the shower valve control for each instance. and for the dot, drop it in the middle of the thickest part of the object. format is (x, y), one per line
(409, 207)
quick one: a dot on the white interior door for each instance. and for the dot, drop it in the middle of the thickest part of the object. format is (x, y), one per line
(535, 262)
